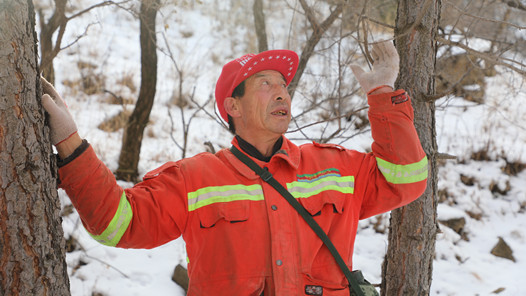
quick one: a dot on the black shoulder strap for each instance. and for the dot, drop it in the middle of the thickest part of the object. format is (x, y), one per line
(267, 177)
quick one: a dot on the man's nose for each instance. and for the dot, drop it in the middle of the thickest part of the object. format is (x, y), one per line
(281, 92)
(283, 96)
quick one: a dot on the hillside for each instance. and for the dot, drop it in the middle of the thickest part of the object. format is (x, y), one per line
(482, 192)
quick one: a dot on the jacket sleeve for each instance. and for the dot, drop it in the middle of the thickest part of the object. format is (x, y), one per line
(397, 168)
(150, 214)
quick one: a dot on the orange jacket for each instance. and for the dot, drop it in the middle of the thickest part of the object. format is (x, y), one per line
(242, 237)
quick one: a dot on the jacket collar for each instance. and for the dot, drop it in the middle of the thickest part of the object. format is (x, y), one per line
(252, 151)
(289, 153)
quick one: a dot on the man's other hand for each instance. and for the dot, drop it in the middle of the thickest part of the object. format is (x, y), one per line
(63, 127)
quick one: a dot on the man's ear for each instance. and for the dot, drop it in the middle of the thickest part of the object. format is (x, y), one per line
(232, 107)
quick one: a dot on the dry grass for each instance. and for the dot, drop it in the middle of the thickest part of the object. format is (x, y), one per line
(116, 122)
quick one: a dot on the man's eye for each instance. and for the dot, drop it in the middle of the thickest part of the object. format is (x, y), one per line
(265, 82)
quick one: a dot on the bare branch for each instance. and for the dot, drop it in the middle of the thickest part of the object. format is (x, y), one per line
(418, 20)
(446, 156)
(210, 147)
(378, 22)
(488, 57)
(317, 32)
(366, 53)
(172, 128)
(84, 34)
(299, 129)
(310, 15)
(107, 264)
(432, 98)
(102, 4)
(59, 21)
(463, 12)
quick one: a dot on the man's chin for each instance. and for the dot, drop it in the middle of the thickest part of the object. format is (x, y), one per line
(282, 125)
(280, 132)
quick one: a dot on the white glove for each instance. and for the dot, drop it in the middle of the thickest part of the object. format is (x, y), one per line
(61, 122)
(385, 68)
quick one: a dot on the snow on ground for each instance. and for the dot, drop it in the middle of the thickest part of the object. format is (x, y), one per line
(200, 46)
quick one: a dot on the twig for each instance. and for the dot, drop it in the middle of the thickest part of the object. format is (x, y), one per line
(84, 34)
(408, 30)
(323, 121)
(84, 252)
(378, 22)
(106, 263)
(446, 156)
(210, 146)
(172, 128)
(102, 4)
(299, 129)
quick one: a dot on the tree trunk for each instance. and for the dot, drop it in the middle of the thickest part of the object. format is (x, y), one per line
(32, 247)
(407, 267)
(259, 22)
(133, 134)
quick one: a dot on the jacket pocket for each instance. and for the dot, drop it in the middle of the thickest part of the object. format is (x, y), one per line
(230, 203)
(231, 212)
(315, 204)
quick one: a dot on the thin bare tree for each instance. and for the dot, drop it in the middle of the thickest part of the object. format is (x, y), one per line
(134, 131)
(259, 23)
(318, 29)
(50, 48)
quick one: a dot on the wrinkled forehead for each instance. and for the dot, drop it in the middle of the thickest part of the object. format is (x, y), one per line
(268, 74)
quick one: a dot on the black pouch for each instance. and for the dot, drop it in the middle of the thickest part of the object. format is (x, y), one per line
(367, 288)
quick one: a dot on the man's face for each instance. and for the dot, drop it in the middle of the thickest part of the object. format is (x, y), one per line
(265, 106)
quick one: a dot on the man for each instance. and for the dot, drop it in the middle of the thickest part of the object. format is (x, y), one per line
(242, 237)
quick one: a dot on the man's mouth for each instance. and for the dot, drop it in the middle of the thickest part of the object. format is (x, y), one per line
(280, 112)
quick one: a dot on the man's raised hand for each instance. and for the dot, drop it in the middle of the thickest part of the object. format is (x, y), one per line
(385, 68)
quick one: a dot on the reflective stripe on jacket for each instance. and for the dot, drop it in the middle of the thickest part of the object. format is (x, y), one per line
(242, 237)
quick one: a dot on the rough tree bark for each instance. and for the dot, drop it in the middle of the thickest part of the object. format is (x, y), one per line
(407, 267)
(133, 134)
(32, 248)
